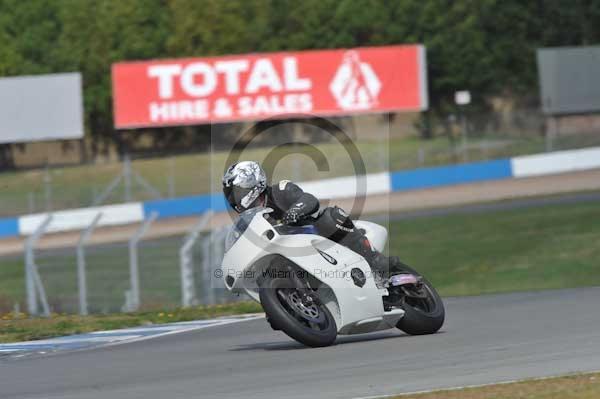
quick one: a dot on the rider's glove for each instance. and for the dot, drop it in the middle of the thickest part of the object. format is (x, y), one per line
(291, 216)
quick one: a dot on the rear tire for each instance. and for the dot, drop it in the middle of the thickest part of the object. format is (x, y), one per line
(279, 302)
(422, 316)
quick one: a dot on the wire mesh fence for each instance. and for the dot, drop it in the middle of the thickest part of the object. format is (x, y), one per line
(107, 272)
(108, 276)
(12, 278)
(58, 272)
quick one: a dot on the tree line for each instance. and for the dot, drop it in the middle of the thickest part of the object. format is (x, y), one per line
(486, 46)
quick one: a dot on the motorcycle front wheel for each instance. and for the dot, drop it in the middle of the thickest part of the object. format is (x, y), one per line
(310, 324)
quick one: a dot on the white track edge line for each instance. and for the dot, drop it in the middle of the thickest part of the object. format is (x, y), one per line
(177, 331)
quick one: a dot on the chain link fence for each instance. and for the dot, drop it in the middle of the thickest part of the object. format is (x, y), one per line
(165, 269)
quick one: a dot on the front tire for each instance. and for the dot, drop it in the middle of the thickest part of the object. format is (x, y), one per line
(422, 315)
(312, 325)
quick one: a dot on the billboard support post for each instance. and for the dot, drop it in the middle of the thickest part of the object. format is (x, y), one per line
(552, 133)
(463, 98)
(127, 178)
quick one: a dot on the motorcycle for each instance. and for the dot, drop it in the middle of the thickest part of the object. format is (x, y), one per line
(313, 289)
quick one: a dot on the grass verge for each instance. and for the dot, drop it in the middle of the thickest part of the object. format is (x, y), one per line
(548, 247)
(18, 327)
(581, 386)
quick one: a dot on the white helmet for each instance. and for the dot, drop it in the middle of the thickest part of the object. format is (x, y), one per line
(243, 183)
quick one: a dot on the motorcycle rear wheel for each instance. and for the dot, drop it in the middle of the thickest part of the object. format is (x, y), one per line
(422, 315)
(311, 325)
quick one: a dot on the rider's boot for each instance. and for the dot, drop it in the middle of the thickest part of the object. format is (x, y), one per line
(382, 265)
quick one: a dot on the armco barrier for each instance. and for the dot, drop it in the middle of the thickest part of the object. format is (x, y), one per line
(555, 162)
(9, 227)
(525, 166)
(346, 187)
(185, 206)
(454, 174)
(77, 219)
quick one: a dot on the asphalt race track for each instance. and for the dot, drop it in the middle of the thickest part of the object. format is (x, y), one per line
(486, 339)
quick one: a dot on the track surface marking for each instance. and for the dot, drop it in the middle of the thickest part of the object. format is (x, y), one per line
(111, 337)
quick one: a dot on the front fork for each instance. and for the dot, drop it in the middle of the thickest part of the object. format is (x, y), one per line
(307, 294)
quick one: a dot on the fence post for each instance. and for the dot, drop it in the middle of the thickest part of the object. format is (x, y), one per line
(33, 283)
(133, 296)
(421, 157)
(186, 262)
(464, 138)
(81, 267)
(207, 298)
(218, 253)
(209, 262)
(31, 202)
(48, 189)
(171, 178)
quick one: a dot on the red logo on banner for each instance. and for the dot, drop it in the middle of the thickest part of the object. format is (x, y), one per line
(246, 87)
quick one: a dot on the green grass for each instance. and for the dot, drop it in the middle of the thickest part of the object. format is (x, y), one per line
(17, 327)
(526, 249)
(581, 386)
(11, 282)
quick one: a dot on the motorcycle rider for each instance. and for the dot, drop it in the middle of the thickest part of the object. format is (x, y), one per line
(245, 186)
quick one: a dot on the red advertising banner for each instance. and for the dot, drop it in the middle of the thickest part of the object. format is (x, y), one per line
(256, 86)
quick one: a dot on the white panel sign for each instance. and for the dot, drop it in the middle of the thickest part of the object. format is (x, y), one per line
(78, 219)
(462, 97)
(44, 107)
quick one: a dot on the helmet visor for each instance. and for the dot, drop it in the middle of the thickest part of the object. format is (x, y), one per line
(242, 198)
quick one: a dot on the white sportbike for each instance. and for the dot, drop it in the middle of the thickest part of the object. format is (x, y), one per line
(313, 288)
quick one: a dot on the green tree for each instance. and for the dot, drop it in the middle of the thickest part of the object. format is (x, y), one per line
(486, 46)
(96, 34)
